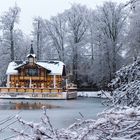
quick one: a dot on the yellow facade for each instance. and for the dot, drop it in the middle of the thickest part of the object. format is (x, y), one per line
(41, 79)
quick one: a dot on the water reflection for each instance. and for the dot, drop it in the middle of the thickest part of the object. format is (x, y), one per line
(25, 105)
(62, 113)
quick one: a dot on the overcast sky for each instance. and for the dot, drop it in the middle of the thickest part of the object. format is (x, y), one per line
(43, 8)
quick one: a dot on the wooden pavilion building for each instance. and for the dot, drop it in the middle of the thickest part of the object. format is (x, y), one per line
(37, 79)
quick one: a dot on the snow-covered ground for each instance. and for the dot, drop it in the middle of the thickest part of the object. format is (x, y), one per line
(99, 94)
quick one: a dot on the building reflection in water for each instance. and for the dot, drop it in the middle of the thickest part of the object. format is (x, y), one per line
(26, 106)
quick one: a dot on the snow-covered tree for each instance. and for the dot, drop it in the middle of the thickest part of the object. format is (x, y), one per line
(126, 85)
(114, 124)
(56, 30)
(8, 21)
(38, 36)
(111, 20)
(8, 43)
(77, 27)
(133, 37)
(22, 44)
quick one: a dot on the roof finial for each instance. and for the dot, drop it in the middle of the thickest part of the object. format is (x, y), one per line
(32, 50)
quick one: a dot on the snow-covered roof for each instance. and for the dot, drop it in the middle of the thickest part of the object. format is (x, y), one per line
(56, 67)
(11, 68)
(33, 55)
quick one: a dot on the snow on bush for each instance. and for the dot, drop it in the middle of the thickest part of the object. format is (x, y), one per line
(126, 85)
(114, 124)
(126, 75)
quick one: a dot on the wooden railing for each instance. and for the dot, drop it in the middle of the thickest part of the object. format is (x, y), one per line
(33, 78)
(30, 90)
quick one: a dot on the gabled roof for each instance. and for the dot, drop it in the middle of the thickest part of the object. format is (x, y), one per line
(54, 67)
(26, 63)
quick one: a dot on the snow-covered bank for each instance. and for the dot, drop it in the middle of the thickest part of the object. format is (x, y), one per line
(99, 94)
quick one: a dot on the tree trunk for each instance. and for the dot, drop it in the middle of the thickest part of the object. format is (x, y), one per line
(114, 60)
(75, 63)
(38, 40)
(12, 44)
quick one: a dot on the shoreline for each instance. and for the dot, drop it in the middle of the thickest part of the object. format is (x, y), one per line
(94, 94)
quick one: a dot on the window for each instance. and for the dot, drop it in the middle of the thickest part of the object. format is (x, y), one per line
(33, 72)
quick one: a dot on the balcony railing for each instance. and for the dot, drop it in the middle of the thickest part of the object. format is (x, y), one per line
(32, 78)
(30, 90)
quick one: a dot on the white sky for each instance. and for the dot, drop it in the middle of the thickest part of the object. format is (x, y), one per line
(43, 8)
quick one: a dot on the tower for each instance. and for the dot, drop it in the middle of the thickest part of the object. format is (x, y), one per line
(31, 56)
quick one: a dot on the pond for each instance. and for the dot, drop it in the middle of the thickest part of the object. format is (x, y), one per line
(62, 113)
